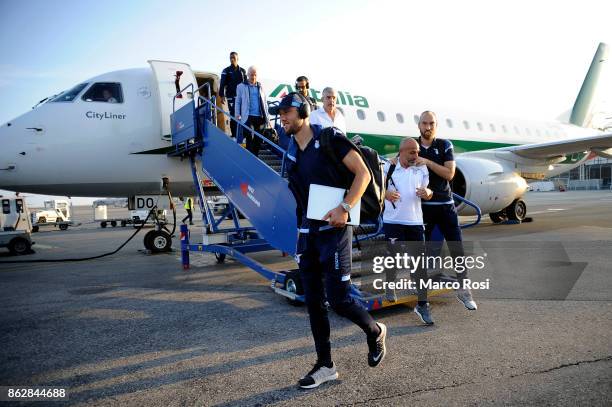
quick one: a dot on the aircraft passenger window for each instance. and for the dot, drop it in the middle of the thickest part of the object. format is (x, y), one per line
(381, 116)
(449, 123)
(360, 114)
(416, 119)
(479, 126)
(69, 95)
(504, 128)
(399, 117)
(492, 127)
(466, 124)
(108, 92)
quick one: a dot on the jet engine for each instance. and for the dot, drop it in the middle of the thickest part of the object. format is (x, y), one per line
(487, 184)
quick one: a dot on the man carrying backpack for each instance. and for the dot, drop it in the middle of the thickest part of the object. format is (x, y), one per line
(324, 247)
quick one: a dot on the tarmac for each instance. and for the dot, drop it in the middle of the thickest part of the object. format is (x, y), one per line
(135, 329)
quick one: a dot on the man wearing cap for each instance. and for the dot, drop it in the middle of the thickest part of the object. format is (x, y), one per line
(324, 246)
(330, 115)
(231, 77)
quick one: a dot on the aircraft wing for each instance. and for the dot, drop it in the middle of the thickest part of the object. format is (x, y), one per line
(598, 143)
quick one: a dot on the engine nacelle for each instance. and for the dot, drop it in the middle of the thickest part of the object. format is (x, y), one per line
(486, 183)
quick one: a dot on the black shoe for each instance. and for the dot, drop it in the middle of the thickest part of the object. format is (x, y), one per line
(423, 312)
(318, 375)
(377, 349)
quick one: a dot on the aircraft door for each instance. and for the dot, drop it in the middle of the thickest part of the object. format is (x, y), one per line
(165, 73)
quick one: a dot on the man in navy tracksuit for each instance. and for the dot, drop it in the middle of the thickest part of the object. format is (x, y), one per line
(437, 155)
(324, 247)
(231, 77)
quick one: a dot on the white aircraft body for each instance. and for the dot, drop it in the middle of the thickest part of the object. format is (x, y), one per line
(109, 135)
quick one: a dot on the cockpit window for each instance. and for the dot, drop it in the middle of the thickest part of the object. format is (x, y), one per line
(109, 92)
(69, 95)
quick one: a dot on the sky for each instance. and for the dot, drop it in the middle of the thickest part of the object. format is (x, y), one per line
(521, 58)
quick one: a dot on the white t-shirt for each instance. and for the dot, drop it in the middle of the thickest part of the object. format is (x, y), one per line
(321, 118)
(407, 209)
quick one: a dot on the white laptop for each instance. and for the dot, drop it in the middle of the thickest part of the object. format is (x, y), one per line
(322, 199)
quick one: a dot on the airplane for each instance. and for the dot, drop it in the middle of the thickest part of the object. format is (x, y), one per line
(109, 135)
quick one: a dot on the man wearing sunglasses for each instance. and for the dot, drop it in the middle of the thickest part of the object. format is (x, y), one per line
(302, 85)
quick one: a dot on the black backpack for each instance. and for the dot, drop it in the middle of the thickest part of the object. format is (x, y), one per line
(373, 199)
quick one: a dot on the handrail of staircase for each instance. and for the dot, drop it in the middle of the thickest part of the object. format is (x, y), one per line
(269, 142)
(190, 85)
(473, 205)
(180, 94)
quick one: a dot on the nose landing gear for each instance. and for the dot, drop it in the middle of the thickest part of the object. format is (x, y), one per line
(516, 212)
(160, 239)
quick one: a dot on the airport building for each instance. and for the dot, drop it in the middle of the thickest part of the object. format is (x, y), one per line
(593, 174)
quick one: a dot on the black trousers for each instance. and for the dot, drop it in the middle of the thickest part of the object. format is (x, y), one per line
(189, 216)
(231, 104)
(253, 142)
(446, 218)
(407, 239)
(325, 267)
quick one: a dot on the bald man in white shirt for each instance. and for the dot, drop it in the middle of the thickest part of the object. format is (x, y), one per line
(403, 223)
(329, 116)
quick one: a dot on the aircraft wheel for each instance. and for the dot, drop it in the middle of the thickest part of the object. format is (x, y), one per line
(102, 224)
(293, 284)
(123, 223)
(42, 219)
(220, 257)
(19, 246)
(498, 217)
(63, 226)
(517, 210)
(147, 240)
(35, 229)
(114, 223)
(160, 241)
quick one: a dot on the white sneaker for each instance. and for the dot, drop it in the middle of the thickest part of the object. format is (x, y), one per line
(464, 295)
(318, 375)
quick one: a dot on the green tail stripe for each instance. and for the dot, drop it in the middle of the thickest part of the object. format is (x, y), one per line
(388, 144)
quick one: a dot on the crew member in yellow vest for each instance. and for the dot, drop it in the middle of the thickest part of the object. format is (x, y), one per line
(188, 207)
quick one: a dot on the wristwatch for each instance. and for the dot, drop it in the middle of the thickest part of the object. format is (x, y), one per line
(345, 206)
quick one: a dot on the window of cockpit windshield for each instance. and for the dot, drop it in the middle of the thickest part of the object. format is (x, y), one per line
(69, 95)
(108, 92)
